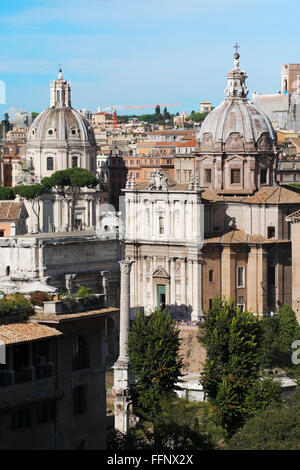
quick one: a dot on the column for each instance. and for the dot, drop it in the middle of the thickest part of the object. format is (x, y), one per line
(121, 367)
(124, 309)
(197, 291)
(151, 283)
(172, 282)
(183, 282)
(190, 282)
(228, 274)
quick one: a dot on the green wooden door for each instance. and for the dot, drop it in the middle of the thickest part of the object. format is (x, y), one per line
(161, 295)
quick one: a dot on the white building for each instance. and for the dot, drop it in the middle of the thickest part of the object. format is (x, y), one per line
(60, 138)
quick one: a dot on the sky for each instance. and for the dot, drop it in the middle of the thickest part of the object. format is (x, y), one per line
(137, 52)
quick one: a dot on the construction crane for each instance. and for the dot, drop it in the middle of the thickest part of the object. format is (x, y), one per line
(114, 109)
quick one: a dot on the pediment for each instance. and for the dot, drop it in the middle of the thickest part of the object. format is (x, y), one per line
(160, 272)
(235, 157)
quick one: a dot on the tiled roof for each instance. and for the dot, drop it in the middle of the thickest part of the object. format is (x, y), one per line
(188, 143)
(62, 318)
(24, 332)
(10, 210)
(238, 236)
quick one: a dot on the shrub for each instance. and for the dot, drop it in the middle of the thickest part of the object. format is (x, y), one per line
(38, 298)
(17, 305)
(275, 428)
(83, 291)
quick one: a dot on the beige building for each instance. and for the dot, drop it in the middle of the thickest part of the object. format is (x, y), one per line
(52, 386)
(223, 233)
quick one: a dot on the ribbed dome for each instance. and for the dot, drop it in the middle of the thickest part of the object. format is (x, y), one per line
(61, 125)
(237, 116)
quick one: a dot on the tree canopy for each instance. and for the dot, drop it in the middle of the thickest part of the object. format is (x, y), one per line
(274, 428)
(68, 183)
(153, 347)
(6, 193)
(231, 372)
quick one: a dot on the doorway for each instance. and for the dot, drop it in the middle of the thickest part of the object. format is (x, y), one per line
(161, 296)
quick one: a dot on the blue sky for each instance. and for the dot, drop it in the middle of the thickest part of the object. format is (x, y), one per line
(142, 52)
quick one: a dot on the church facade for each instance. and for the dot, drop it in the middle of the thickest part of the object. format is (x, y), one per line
(225, 233)
(59, 138)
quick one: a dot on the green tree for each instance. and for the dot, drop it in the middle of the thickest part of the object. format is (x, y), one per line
(197, 117)
(231, 370)
(166, 115)
(268, 350)
(68, 184)
(175, 427)
(277, 334)
(289, 329)
(6, 193)
(275, 428)
(32, 193)
(153, 347)
(34, 115)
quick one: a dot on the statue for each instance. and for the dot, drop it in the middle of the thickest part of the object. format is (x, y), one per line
(158, 181)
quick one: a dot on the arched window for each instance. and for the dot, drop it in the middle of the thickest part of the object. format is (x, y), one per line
(80, 353)
(58, 96)
(74, 162)
(50, 165)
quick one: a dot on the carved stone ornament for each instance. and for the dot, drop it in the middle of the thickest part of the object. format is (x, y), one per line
(207, 142)
(160, 273)
(158, 181)
(234, 142)
(125, 266)
(264, 142)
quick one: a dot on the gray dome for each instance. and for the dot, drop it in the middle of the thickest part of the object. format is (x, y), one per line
(236, 115)
(61, 125)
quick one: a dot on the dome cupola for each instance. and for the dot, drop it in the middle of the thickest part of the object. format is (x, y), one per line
(236, 142)
(60, 137)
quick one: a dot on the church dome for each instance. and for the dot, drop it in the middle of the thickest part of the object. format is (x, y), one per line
(60, 124)
(60, 137)
(236, 119)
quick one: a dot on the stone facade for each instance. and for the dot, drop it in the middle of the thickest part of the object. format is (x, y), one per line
(50, 259)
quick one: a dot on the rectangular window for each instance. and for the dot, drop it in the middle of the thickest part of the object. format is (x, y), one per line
(80, 399)
(272, 275)
(240, 276)
(211, 275)
(207, 176)
(161, 224)
(271, 232)
(263, 176)
(210, 303)
(235, 176)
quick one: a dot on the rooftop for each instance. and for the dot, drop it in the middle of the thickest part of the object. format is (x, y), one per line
(24, 332)
(63, 318)
(11, 210)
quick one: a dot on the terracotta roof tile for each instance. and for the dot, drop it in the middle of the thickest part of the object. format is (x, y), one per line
(24, 332)
(238, 236)
(10, 210)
